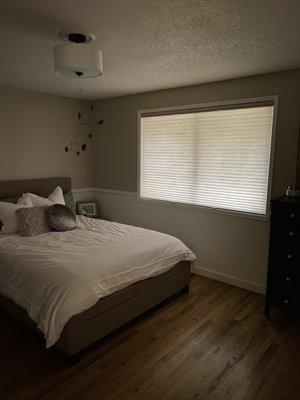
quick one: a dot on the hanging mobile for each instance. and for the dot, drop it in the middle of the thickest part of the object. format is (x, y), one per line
(81, 125)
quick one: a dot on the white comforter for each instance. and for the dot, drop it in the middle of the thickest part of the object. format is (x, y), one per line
(57, 275)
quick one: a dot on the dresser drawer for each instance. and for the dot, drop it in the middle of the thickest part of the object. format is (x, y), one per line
(284, 301)
(285, 215)
(288, 236)
(286, 280)
(285, 260)
(284, 285)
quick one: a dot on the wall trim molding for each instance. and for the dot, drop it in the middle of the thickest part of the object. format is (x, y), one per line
(112, 191)
(100, 190)
(232, 280)
(83, 190)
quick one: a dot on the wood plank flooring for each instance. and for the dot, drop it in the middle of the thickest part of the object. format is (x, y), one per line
(213, 343)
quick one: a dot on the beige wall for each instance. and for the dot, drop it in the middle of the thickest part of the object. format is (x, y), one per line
(229, 248)
(34, 129)
(115, 147)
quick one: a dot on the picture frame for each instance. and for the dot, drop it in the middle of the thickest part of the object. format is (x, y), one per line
(88, 208)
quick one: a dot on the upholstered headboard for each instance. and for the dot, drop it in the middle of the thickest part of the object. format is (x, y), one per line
(42, 187)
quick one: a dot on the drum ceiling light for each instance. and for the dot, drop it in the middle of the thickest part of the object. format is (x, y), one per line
(78, 58)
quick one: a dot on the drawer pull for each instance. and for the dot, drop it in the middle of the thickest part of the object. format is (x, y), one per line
(286, 301)
(291, 233)
(288, 279)
(289, 256)
(293, 215)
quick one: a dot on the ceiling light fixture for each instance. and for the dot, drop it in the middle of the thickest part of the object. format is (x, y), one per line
(78, 58)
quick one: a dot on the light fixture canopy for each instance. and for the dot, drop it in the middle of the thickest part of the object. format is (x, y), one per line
(78, 58)
(76, 36)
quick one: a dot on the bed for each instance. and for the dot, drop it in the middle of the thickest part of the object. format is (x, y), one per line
(91, 280)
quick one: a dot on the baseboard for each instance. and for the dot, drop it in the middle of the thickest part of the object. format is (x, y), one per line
(254, 287)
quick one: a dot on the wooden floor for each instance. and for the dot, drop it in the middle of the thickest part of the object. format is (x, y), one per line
(211, 344)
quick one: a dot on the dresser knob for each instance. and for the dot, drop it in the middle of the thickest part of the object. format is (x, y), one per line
(286, 301)
(289, 256)
(288, 279)
(291, 233)
(293, 215)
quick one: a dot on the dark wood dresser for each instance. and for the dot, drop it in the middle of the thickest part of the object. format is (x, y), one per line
(283, 283)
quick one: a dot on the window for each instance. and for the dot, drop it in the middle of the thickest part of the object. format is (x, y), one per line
(214, 156)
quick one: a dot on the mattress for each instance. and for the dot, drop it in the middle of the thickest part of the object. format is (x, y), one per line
(57, 275)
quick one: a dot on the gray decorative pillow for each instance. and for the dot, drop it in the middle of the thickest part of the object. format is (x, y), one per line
(69, 200)
(61, 218)
(33, 220)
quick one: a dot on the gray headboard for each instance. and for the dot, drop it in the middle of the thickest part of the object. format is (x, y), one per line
(42, 187)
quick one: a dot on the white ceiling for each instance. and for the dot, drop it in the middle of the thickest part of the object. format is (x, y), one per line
(148, 44)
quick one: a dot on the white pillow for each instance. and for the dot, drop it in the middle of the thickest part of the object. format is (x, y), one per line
(25, 201)
(8, 214)
(38, 201)
(56, 197)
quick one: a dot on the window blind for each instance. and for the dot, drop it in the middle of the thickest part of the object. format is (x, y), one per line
(218, 158)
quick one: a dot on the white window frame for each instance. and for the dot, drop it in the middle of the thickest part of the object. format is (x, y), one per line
(208, 107)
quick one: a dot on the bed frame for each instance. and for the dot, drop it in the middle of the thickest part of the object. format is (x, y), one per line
(110, 312)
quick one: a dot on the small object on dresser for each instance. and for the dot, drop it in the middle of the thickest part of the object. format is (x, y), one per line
(293, 191)
(88, 208)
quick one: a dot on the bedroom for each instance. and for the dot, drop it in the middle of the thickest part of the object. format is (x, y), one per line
(162, 62)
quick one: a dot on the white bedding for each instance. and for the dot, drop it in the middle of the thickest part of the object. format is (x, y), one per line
(57, 275)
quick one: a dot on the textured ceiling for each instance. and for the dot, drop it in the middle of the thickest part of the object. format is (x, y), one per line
(148, 44)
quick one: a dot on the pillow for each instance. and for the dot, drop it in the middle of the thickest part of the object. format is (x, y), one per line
(8, 220)
(56, 197)
(38, 201)
(69, 200)
(33, 220)
(25, 201)
(61, 218)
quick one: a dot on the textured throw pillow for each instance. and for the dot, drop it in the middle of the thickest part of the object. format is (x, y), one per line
(61, 218)
(33, 220)
(8, 220)
(56, 197)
